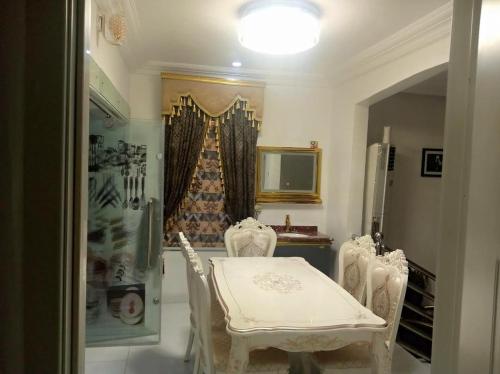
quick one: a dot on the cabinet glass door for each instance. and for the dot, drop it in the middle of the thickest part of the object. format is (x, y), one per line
(124, 266)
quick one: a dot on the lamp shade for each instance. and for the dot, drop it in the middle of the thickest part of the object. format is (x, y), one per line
(279, 27)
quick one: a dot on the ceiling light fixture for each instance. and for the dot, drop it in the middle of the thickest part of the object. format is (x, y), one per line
(236, 64)
(279, 27)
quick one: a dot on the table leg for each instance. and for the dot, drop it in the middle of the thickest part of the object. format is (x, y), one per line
(381, 362)
(238, 357)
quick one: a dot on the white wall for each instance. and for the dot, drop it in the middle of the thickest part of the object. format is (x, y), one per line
(417, 121)
(108, 56)
(293, 116)
(145, 97)
(349, 128)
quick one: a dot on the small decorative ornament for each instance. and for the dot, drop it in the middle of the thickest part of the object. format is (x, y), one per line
(117, 29)
(314, 144)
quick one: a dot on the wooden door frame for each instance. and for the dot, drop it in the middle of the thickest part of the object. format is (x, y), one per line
(41, 220)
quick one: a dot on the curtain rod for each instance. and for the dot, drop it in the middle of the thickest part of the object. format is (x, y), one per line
(207, 79)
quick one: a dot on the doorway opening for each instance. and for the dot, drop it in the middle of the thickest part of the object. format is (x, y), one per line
(402, 194)
(132, 76)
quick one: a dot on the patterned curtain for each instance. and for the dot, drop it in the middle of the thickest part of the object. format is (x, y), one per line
(201, 216)
(203, 198)
(184, 134)
(238, 146)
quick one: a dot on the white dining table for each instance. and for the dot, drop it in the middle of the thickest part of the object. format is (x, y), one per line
(288, 304)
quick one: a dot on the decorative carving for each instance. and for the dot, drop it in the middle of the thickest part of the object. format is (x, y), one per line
(250, 238)
(365, 241)
(354, 258)
(381, 300)
(311, 343)
(352, 277)
(282, 283)
(250, 223)
(388, 282)
(397, 259)
(250, 249)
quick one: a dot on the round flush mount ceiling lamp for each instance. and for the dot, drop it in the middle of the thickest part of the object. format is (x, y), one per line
(279, 27)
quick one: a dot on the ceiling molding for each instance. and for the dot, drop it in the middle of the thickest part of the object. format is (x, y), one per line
(417, 35)
(264, 76)
(205, 79)
(426, 30)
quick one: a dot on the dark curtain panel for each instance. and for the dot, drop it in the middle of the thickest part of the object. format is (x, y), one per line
(238, 146)
(201, 216)
(184, 134)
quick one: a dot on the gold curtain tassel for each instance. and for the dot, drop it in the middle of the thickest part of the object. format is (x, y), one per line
(237, 104)
(259, 125)
(169, 120)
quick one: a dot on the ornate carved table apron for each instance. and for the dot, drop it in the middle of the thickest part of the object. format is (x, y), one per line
(288, 304)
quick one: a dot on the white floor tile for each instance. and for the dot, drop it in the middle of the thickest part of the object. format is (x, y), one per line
(167, 357)
(106, 354)
(158, 366)
(105, 367)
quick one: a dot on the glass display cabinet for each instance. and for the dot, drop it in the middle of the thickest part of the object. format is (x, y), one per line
(124, 266)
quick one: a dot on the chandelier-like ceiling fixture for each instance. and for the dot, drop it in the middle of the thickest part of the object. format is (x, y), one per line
(279, 27)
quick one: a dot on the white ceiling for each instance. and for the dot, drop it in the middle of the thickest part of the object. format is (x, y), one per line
(203, 32)
(435, 86)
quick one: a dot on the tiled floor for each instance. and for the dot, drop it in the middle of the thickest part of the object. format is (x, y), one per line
(167, 358)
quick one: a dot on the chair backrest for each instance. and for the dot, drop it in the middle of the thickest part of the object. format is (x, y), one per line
(386, 288)
(354, 257)
(203, 319)
(191, 259)
(250, 238)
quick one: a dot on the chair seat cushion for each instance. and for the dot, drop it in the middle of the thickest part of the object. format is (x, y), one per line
(270, 360)
(356, 355)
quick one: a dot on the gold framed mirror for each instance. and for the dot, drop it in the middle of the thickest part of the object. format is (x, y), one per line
(288, 175)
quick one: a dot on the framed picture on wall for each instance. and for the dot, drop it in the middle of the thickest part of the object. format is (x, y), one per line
(432, 162)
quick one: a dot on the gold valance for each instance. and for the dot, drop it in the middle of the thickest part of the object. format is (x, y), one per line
(215, 96)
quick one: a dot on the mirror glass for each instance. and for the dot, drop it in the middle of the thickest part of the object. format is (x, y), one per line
(288, 174)
(292, 172)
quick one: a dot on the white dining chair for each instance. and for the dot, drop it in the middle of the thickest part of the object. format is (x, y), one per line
(187, 252)
(250, 238)
(354, 257)
(386, 288)
(213, 346)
